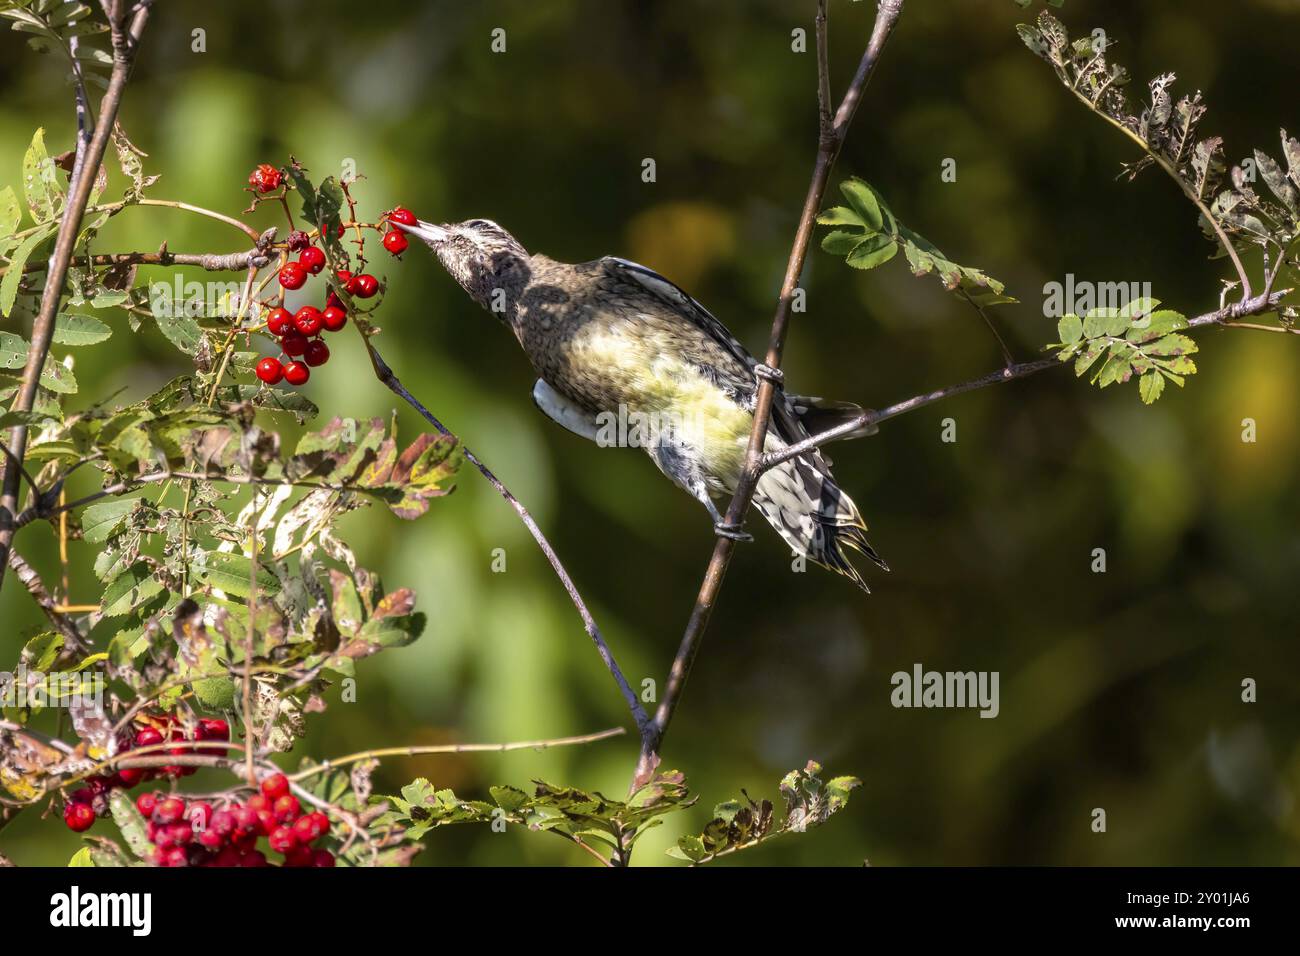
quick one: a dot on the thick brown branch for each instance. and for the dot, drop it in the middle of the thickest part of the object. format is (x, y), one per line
(830, 141)
(125, 40)
(73, 642)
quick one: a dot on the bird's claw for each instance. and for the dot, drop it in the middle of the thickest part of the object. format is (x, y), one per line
(732, 531)
(773, 375)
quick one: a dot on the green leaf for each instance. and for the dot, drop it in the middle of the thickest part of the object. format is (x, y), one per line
(1098, 323)
(1070, 329)
(1173, 344)
(1154, 326)
(840, 243)
(871, 252)
(131, 588)
(863, 200)
(100, 520)
(128, 819)
(232, 572)
(10, 212)
(41, 181)
(14, 271)
(54, 376)
(1150, 386)
(82, 858)
(180, 329)
(840, 216)
(73, 328)
(216, 693)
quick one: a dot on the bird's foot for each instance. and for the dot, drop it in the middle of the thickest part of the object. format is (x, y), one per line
(773, 375)
(732, 531)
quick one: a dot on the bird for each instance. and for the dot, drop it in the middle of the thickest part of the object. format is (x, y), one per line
(613, 342)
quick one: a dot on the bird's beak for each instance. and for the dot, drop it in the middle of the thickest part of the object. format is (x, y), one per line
(427, 231)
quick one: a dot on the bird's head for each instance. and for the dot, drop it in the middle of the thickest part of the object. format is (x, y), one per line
(489, 263)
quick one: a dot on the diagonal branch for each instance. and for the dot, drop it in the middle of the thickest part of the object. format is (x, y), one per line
(1221, 317)
(394, 384)
(829, 142)
(126, 39)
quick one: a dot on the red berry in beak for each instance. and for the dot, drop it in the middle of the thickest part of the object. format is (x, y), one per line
(395, 242)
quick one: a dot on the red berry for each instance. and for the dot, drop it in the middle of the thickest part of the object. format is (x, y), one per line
(81, 795)
(395, 242)
(287, 809)
(269, 370)
(259, 802)
(181, 833)
(274, 786)
(279, 321)
(266, 822)
(176, 856)
(130, 776)
(214, 728)
(222, 823)
(363, 286)
(79, 817)
(265, 178)
(169, 810)
(318, 353)
(321, 821)
(322, 858)
(312, 259)
(333, 318)
(295, 373)
(298, 240)
(402, 215)
(292, 275)
(199, 815)
(304, 828)
(283, 840)
(294, 343)
(229, 856)
(147, 737)
(146, 803)
(254, 858)
(212, 839)
(246, 822)
(298, 856)
(344, 277)
(307, 320)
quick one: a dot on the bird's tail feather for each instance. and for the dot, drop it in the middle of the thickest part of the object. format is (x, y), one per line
(801, 500)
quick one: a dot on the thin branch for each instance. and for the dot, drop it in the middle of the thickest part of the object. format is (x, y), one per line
(212, 261)
(887, 13)
(125, 40)
(420, 751)
(73, 642)
(1220, 317)
(394, 384)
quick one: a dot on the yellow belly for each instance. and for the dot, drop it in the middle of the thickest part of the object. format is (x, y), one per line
(641, 377)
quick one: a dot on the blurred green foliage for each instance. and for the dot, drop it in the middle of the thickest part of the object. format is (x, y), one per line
(1120, 690)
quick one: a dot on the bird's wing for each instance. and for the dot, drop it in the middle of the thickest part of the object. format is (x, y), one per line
(673, 296)
(786, 421)
(564, 412)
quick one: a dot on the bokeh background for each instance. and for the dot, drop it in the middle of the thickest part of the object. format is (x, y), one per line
(1118, 690)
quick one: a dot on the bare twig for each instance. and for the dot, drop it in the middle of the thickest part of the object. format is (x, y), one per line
(829, 143)
(394, 384)
(72, 639)
(1223, 318)
(125, 39)
(212, 261)
(425, 750)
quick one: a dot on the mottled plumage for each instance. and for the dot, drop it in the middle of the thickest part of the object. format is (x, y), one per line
(611, 338)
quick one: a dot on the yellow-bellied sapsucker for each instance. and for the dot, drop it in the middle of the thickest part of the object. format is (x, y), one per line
(613, 342)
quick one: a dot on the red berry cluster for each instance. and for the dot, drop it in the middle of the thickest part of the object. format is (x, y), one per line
(395, 239)
(194, 833)
(86, 803)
